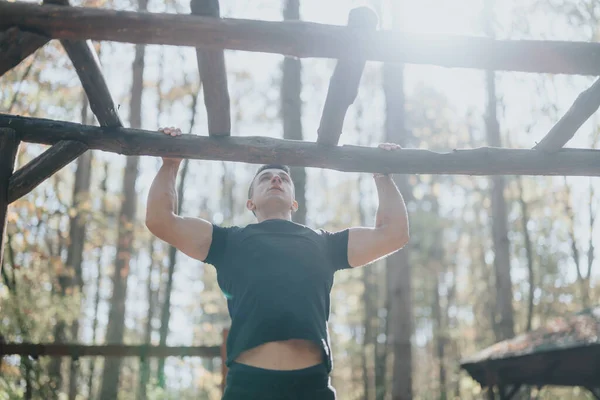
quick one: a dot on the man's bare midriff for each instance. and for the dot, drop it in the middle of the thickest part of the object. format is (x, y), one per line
(283, 356)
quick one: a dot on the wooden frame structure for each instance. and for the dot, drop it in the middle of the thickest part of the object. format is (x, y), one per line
(25, 27)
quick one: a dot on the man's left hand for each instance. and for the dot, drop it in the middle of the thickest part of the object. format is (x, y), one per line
(389, 147)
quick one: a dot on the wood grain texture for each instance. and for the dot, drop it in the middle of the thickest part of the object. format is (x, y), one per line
(259, 150)
(303, 39)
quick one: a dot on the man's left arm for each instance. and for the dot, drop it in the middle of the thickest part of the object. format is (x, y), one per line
(391, 231)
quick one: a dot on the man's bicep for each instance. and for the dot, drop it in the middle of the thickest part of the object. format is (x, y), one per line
(192, 236)
(366, 245)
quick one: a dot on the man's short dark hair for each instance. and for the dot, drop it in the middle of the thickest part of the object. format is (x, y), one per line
(261, 169)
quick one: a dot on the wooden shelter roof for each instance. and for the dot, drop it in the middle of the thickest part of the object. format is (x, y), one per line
(565, 352)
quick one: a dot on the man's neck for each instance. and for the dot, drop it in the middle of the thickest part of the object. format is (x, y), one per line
(285, 216)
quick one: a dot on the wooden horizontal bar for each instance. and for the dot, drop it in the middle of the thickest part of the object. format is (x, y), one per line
(260, 150)
(28, 177)
(106, 350)
(302, 39)
(16, 45)
(585, 105)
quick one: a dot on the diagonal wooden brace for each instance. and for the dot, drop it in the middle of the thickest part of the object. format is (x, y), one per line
(343, 86)
(28, 177)
(586, 103)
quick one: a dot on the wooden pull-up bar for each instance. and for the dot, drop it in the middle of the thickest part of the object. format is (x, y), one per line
(259, 150)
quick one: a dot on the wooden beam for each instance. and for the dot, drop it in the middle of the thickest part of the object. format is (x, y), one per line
(343, 86)
(106, 350)
(303, 39)
(9, 144)
(16, 45)
(211, 65)
(28, 177)
(584, 106)
(259, 150)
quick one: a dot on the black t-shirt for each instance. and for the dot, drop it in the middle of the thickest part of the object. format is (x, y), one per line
(277, 277)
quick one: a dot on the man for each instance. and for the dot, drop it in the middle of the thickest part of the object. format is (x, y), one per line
(277, 277)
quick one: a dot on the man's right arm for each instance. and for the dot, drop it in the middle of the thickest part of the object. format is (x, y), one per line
(192, 236)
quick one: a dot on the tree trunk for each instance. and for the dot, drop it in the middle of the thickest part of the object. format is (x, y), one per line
(144, 361)
(291, 110)
(439, 319)
(165, 315)
(582, 279)
(104, 212)
(398, 264)
(77, 234)
(116, 317)
(504, 320)
(529, 254)
(369, 310)
(439, 334)
(383, 329)
(72, 274)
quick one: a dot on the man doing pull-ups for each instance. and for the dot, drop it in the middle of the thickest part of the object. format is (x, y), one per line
(277, 276)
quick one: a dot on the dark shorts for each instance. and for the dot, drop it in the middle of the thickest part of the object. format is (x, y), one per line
(250, 383)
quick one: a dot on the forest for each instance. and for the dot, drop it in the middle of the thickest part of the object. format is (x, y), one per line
(490, 257)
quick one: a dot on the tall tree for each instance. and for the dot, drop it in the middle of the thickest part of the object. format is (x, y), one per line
(369, 287)
(165, 315)
(528, 252)
(152, 295)
(71, 275)
(115, 329)
(583, 271)
(99, 263)
(436, 261)
(503, 315)
(291, 110)
(77, 234)
(398, 264)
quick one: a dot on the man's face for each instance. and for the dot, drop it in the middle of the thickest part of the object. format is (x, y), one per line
(273, 188)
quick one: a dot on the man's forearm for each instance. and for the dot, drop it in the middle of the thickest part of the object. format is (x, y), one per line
(391, 213)
(162, 196)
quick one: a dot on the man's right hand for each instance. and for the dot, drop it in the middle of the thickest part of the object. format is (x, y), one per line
(171, 131)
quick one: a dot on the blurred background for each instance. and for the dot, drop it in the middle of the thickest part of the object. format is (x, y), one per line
(439, 297)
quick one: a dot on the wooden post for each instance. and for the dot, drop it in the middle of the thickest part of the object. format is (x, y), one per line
(224, 359)
(8, 153)
(211, 65)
